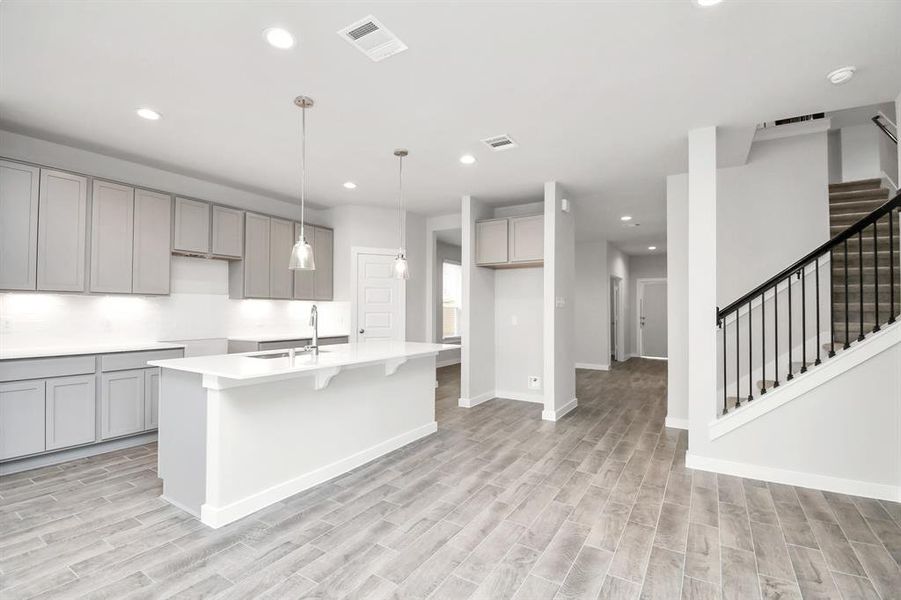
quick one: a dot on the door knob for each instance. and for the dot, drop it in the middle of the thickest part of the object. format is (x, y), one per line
(362, 330)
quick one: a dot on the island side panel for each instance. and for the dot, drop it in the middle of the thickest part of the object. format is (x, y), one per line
(278, 438)
(182, 439)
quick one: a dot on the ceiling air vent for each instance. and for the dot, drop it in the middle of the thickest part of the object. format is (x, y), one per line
(371, 38)
(499, 142)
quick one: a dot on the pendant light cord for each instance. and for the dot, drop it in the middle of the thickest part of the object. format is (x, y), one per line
(303, 167)
(400, 201)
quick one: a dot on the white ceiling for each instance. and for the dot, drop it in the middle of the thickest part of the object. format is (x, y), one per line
(598, 95)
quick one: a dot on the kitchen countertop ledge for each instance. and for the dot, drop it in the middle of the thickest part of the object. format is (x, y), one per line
(259, 338)
(53, 351)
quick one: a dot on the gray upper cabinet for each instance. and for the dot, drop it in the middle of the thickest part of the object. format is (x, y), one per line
(256, 256)
(192, 227)
(324, 252)
(112, 237)
(121, 403)
(70, 411)
(304, 281)
(22, 422)
(491, 242)
(19, 186)
(281, 241)
(62, 228)
(152, 242)
(228, 232)
(527, 239)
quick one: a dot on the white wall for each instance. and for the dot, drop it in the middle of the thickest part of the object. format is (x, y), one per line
(677, 300)
(651, 266)
(518, 343)
(618, 266)
(559, 296)
(592, 310)
(860, 152)
(770, 212)
(443, 251)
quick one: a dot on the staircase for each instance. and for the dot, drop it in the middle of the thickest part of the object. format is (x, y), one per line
(849, 203)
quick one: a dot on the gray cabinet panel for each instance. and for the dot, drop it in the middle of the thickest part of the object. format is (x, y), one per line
(151, 398)
(324, 251)
(70, 405)
(21, 418)
(40, 368)
(62, 226)
(112, 237)
(152, 243)
(304, 281)
(256, 256)
(121, 403)
(18, 226)
(228, 232)
(491, 242)
(527, 239)
(122, 361)
(281, 241)
(192, 227)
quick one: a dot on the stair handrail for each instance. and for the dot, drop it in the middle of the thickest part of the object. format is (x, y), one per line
(885, 130)
(839, 238)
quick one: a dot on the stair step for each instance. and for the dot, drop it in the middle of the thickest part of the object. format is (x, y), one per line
(868, 308)
(838, 197)
(855, 205)
(860, 184)
(881, 228)
(882, 255)
(851, 217)
(882, 243)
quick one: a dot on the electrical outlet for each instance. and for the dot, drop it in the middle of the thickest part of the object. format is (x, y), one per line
(534, 382)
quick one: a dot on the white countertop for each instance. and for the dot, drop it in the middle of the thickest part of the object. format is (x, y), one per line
(75, 350)
(281, 337)
(244, 366)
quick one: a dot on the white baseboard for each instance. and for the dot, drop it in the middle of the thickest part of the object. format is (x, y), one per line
(217, 516)
(522, 396)
(54, 458)
(676, 423)
(787, 477)
(556, 415)
(651, 357)
(593, 366)
(476, 400)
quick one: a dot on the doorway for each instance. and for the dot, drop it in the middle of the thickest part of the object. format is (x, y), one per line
(616, 319)
(379, 310)
(651, 317)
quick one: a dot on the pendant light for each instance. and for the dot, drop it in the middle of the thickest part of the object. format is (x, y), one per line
(302, 253)
(401, 270)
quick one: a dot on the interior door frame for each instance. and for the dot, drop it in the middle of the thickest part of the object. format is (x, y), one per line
(355, 252)
(616, 314)
(639, 297)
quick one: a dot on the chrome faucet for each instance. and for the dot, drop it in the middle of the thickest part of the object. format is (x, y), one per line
(314, 323)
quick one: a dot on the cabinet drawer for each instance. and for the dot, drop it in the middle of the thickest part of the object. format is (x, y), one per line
(39, 368)
(136, 360)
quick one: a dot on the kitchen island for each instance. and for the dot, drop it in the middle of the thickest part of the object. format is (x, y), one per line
(239, 432)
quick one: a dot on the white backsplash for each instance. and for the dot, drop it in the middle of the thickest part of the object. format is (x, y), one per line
(197, 308)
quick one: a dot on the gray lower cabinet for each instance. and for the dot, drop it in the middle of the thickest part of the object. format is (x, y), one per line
(152, 242)
(62, 232)
(121, 403)
(191, 231)
(281, 241)
(70, 404)
(19, 186)
(228, 232)
(151, 398)
(305, 281)
(112, 237)
(22, 416)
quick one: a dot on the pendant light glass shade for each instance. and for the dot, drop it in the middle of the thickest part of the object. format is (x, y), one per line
(302, 253)
(401, 269)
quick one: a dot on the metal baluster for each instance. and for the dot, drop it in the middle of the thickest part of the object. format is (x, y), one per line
(847, 321)
(891, 262)
(750, 355)
(763, 342)
(737, 362)
(816, 264)
(876, 274)
(860, 336)
(790, 375)
(776, 335)
(722, 325)
(804, 319)
(831, 304)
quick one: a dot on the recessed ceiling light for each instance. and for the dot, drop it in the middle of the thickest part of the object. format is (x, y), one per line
(279, 38)
(467, 159)
(707, 2)
(350, 185)
(149, 114)
(625, 218)
(842, 75)
(652, 247)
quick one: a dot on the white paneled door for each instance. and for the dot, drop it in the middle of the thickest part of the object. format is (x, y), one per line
(379, 299)
(652, 317)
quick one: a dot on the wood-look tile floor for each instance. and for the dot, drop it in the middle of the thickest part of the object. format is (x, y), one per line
(498, 504)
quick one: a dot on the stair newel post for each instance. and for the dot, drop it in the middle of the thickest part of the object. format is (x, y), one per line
(803, 274)
(876, 274)
(860, 336)
(776, 335)
(816, 265)
(750, 354)
(790, 375)
(721, 323)
(737, 360)
(763, 342)
(891, 272)
(847, 319)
